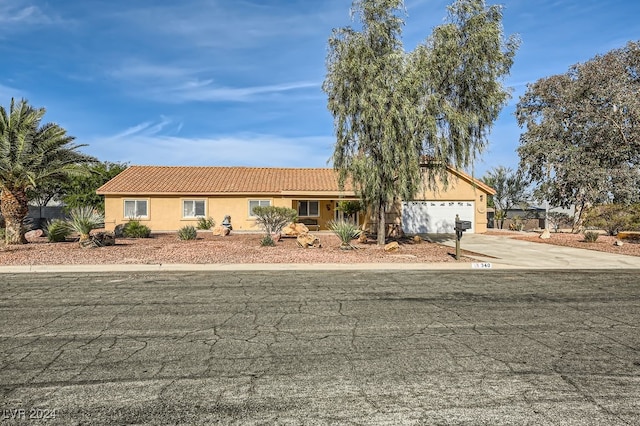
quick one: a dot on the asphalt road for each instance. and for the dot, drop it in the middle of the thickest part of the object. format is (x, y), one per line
(412, 347)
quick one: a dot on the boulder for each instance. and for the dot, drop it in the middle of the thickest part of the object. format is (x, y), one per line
(545, 234)
(618, 243)
(295, 229)
(220, 230)
(34, 235)
(362, 239)
(417, 239)
(392, 246)
(308, 240)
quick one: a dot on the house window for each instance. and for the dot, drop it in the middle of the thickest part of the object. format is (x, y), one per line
(255, 203)
(308, 208)
(193, 208)
(136, 209)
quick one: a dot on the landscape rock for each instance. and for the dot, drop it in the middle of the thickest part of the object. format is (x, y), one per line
(362, 239)
(34, 235)
(308, 240)
(295, 229)
(618, 243)
(417, 239)
(545, 234)
(220, 230)
(392, 246)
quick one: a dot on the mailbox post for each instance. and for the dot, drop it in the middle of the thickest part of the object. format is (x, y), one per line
(460, 227)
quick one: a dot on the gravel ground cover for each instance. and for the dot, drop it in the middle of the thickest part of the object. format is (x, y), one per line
(235, 248)
(604, 243)
(165, 248)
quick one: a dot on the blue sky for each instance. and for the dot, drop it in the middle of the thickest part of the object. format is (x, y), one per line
(238, 82)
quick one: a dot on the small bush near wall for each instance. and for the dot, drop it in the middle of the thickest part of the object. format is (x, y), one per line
(134, 229)
(187, 233)
(205, 223)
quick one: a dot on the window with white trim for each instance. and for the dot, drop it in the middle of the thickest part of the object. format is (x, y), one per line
(193, 208)
(255, 203)
(136, 209)
(308, 208)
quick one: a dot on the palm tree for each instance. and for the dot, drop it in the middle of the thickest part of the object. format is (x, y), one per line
(29, 154)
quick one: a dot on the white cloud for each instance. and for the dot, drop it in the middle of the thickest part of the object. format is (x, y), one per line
(144, 144)
(208, 91)
(20, 14)
(173, 84)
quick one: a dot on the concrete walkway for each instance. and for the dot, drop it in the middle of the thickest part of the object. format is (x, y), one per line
(494, 252)
(509, 252)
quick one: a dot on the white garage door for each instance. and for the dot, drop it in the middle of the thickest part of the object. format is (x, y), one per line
(435, 217)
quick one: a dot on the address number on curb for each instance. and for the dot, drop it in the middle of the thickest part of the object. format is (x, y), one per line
(481, 265)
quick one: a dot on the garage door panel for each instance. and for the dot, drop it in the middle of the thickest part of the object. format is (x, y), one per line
(435, 217)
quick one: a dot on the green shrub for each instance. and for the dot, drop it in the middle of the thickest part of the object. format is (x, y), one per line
(613, 218)
(187, 233)
(590, 236)
(57, 231)
(205, 223)
(267, 241)
(344, 230)
(134, 229)
(273, 219)
(350, 208)
(85, 219)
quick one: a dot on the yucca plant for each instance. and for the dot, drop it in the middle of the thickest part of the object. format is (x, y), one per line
(57, 230)
(187, 233)
(346, 231)
(85, 219)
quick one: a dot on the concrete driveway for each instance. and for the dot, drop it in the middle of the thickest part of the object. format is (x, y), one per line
(310, 347)
(508, 252)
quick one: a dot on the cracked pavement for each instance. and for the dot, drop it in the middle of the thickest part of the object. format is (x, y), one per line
(321, 347)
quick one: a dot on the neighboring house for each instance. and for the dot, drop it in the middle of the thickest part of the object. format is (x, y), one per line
(166, 198)
(531, 218)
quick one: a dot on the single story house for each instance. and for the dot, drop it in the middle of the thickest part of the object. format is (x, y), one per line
(166, 198)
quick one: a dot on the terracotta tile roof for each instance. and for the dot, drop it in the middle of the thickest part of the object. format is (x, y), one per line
(214, 180)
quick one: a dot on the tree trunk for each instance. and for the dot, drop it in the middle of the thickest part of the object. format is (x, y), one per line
(14, 208)
(382, 232)
(580, 208)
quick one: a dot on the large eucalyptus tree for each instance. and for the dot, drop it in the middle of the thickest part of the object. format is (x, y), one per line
(392, 108)
(581, 143)
(30, 153)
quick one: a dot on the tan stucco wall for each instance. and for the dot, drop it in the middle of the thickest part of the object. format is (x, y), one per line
(165, 212)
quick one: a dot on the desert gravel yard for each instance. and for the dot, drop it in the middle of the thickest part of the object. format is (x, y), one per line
(232, 249)
(238, 248)
(604, 243)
